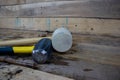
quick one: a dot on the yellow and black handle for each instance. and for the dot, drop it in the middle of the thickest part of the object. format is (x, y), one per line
(16, 50)
(44, 43)
(41, 52)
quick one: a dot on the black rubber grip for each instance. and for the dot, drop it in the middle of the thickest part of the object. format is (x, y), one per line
(6, 51)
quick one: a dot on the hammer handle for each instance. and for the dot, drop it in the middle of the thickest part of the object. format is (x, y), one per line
(21, 41)
(16, 50)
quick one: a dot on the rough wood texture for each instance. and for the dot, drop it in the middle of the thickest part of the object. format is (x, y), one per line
(75, 25)
(96, 48)
(104, 50)
(96, 53)
(18, 2)
(32, 64)
(67, 8)
(86, 60)
(23, 73)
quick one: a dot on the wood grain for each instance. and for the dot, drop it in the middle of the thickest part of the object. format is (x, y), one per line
(78, 8)
(75, 25)
(18, 2)
(31, 74)
(96, 53)
(95, 48)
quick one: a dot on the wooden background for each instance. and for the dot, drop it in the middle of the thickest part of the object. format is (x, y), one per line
(60, 8)
(97, 17)
(79, 16)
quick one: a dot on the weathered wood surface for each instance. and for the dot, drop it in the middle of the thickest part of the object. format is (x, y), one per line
(23, 73)
(96, 53)
(96, 48)
(86, 60)
(30, 74)
(67, 8)
(75, 25)
(100, 49)
(18, 2)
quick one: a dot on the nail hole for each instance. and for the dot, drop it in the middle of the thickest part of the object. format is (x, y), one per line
(56, 20)
(87, 69)
(75, 25)
(92, 29)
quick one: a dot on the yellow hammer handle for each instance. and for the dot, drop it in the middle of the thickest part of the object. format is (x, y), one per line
(23, 50)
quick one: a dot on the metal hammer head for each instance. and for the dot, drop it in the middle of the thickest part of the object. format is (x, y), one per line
(42, 50)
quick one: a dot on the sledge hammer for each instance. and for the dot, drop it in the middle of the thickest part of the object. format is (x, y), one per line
(41, 51)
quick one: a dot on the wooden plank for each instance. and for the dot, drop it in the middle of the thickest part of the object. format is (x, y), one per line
(11, 2)
(30, 74)
(18, 2)
(75, 25)
(96, 48)
(96, 53)
(80, 8)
